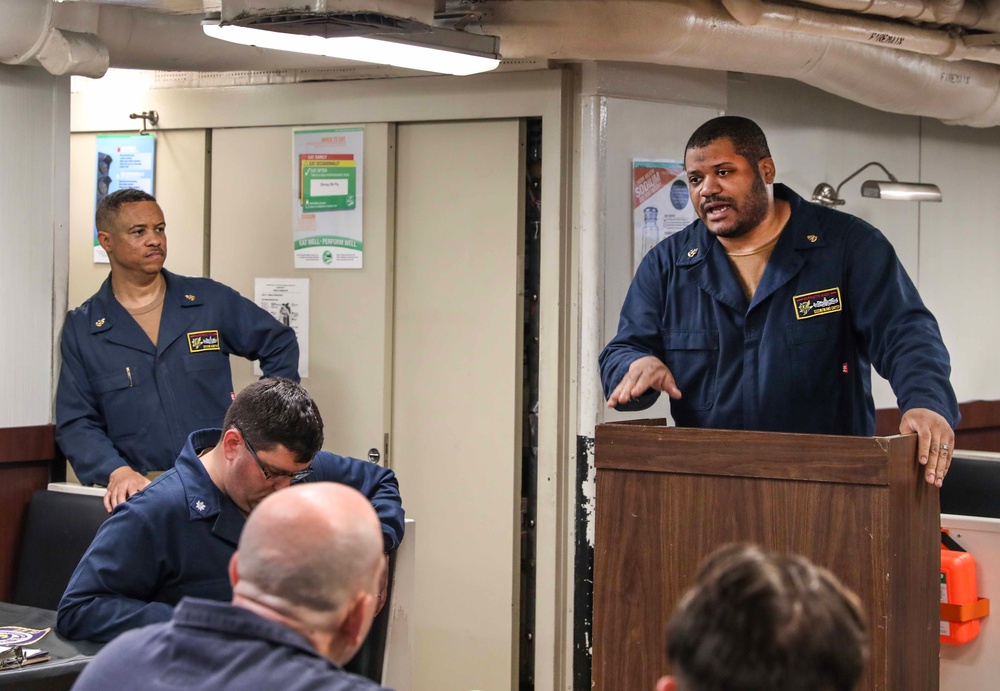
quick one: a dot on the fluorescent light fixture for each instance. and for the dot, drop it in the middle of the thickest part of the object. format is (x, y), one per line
(406, 50)
(892, 189)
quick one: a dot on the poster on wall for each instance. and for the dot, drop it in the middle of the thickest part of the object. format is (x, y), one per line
(661, 205)
(287, 299)
(123, 162)
(326, 198)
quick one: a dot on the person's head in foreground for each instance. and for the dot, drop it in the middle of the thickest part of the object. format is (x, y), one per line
(310, 557)
(758, 621)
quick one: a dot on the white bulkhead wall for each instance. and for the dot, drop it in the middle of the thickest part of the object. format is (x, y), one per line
(34, 200)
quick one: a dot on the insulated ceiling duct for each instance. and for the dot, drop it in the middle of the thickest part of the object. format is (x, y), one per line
(915, 67)
(55, 37)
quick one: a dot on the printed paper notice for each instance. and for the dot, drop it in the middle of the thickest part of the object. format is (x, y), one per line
(122, 163)
(327, 209)
(661, 204)
(287, 299)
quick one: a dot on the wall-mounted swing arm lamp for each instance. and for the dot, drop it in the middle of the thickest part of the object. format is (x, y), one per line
(891, 189)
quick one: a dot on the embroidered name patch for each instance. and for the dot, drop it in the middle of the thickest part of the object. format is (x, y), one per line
(200, 341)
(815, 304)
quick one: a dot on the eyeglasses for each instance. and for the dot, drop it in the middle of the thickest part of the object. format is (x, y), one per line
(269, 472)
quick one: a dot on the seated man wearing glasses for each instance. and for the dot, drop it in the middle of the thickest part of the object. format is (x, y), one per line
(305, 579)
(176, 536)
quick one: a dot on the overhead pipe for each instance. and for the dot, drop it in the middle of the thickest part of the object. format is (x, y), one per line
(72, 52)
(143, 40)
(29, 34)
(702, 34)
(686, 33)
(693, 33)
(970, 14)
(892, 35)
(26, 25)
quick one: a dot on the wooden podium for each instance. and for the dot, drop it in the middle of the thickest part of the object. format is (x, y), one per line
(667, 497)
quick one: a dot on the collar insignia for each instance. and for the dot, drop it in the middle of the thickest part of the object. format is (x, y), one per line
(812, 238)
(199, 506)
(190, 297)
(100, 322)
(692, 252)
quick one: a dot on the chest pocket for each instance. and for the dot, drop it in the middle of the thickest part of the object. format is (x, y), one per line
(123, 397)
(812, 331)
(816, 363)
(197, 362)
(208, 379)
(693, 359)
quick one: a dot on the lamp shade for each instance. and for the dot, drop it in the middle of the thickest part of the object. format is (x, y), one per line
(901, 191)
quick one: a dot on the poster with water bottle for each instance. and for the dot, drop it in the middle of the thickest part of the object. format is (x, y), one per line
(661, 204)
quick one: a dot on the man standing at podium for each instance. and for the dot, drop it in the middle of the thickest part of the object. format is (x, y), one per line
(768, 312)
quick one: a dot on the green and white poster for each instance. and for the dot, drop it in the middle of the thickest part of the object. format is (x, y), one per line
(326, 208)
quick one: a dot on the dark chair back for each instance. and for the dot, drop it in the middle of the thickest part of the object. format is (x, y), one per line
(368, 660)
(58, 529)
(972, 488)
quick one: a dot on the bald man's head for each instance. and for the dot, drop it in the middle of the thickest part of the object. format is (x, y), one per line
(310, 557)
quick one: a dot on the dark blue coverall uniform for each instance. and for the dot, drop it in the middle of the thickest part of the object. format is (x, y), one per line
(833, 300)
(123, 401)
(216, 646)
(176, 536)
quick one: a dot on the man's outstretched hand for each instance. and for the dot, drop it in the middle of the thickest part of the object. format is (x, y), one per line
(644, 374)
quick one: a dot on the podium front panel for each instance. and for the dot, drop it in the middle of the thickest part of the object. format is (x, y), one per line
(654, 526)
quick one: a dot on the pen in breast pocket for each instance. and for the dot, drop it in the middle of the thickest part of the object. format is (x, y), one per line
(128, 371)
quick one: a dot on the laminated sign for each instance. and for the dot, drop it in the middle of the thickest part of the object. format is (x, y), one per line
(661, 204)
(328, 198)
(328, 182)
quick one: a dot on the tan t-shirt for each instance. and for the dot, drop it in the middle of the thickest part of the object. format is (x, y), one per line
(750, 266)
(148, 316)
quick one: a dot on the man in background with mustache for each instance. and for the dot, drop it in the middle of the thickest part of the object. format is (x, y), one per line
(769, 311)
(145, 360)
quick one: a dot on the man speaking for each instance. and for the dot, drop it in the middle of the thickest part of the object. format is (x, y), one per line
(769, 311)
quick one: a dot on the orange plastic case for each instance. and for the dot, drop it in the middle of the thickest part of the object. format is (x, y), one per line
(961, 608)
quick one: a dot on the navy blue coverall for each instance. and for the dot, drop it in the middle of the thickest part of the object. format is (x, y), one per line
(123, 401)
(175, 538)
(833, 300)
